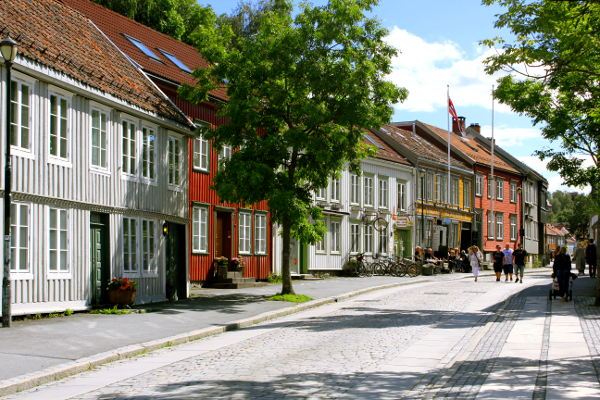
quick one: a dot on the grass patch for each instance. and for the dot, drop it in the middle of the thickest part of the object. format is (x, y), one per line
(114, 311)
(292, 298)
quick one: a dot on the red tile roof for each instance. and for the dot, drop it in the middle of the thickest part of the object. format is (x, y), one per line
(53, 35)
(116, 26)
(384, 152)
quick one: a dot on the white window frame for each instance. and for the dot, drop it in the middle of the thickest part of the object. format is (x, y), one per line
(174, 161)
(354, 189)
(479, 185)
(335, 192)
(401, 204)
(499, 189)
(355, 237)
(490, 187)
(383, 191)
(466, 194)
(513, 192)
(67, 97)
(429, 186)
(321, 245)
(513, 226)
(454, 188)
(59, 273)
(21, 80)
(129, 160)
(437, 188)
(132, 239)
(499, 226)
(244, 232)
(16, 230)
(334, 237)
(368, 239)
(149, 253)
(368, 190)
(491, 225)
(383, 242)
(201, 157)
(224, 153)
(106, 111)
(321, 194)
(260, 234)
(200, 229)
(148, 154)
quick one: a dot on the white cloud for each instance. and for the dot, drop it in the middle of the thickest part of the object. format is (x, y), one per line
(425, 68)
(509, 138)
(555, 182)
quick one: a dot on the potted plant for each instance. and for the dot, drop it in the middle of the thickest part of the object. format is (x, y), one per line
(121, 291)
(237, 264)
(222, 264)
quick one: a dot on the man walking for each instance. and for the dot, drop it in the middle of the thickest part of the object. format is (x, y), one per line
(519, 256)
(507, 262)
(497, 258)
(590, 257)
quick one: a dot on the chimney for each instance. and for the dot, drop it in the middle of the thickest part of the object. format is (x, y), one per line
(476, 127)
(458, 126)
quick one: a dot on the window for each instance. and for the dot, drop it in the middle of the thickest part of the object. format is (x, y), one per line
(354, 238)
(466, 194)
(58, 260)
(176, 61)
(142, 47)
(428, 232)
(443, 188)
(513, 192)
(368, 242)
(368, 187)
(148, 153)
(383, 241)
(174, 160)
(335, 190)
(429, 187)
(499, 189)
(129, 148)
(19, 239)
(224, 154)
(20, 115)
(489, 187)
(321, 193)
(419, 232)
(334, 241)
(201, 154)
(129, 245)
(244, 232)
(490, 225)
(260, 234)
(354, 189)
(320, 245)
(453, 236)
(421, 186)
(99, 140)
(149, 247)
(478, 185)
(499, 226)
(199, 229)
(437, 189)
(383, 191)
(58, 126)
(513, 227)
(401, 196)
(454, 192)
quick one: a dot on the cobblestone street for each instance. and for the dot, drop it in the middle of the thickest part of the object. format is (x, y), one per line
(454, 339)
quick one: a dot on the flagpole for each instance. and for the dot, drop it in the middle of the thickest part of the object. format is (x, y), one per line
(493, 181)
(449, 138)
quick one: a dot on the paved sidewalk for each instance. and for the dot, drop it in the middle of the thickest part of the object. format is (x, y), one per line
(34, 352)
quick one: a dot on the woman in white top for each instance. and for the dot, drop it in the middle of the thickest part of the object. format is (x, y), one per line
(475, 259)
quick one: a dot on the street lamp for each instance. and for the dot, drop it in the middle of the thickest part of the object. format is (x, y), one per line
(8, 49)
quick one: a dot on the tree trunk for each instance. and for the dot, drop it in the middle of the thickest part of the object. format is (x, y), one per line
(286, 287)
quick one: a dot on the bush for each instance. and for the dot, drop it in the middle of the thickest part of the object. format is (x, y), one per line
(274, 278)
(350, 268)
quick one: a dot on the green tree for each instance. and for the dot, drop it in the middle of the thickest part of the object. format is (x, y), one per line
(553, 57)
(302, 88)
(574, 210)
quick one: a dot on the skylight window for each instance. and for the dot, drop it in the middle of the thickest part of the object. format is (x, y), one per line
(370, 139)
(143, 48)
(176, 61)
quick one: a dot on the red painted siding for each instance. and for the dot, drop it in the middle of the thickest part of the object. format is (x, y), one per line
(504, 206)
(257, 266)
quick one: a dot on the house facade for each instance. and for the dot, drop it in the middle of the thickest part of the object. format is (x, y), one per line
(443, 219)
(218, 229)
(94, 178)
(350, 204)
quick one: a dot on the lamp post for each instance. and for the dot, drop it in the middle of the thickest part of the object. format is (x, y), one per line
(8, 49)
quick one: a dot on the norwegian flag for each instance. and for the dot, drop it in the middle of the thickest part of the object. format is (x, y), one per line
(452, 110)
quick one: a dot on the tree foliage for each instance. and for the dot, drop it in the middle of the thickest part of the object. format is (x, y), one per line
(574, 210)
(553, 58)
(302, 88)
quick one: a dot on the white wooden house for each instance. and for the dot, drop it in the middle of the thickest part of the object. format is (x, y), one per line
(350, 204)
(99, 165)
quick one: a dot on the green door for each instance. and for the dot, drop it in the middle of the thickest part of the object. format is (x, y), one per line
(402, 245)
(98, 258)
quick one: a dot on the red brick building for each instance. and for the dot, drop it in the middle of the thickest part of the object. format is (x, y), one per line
(216, 228)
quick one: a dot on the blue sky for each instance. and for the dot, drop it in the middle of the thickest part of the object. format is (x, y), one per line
(439, 45)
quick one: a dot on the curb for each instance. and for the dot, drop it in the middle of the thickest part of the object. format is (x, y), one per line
(51, 374)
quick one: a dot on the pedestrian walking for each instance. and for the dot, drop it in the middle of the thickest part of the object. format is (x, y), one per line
(562, 268)
(590, 257)
(497, 258)
(507, 262)
(475, 259)
(519, 256)
(580, 257)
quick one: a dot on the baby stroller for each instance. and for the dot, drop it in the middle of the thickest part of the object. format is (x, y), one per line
(555, 290)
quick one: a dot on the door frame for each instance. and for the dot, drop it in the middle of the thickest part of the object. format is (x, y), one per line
(101, 221)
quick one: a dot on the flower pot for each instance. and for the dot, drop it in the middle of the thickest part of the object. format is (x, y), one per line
(221, 272)
(121, 297)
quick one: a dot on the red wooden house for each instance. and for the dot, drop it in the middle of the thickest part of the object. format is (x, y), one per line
(216, 228)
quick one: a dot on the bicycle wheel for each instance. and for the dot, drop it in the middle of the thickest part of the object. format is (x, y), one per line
(412, 270)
